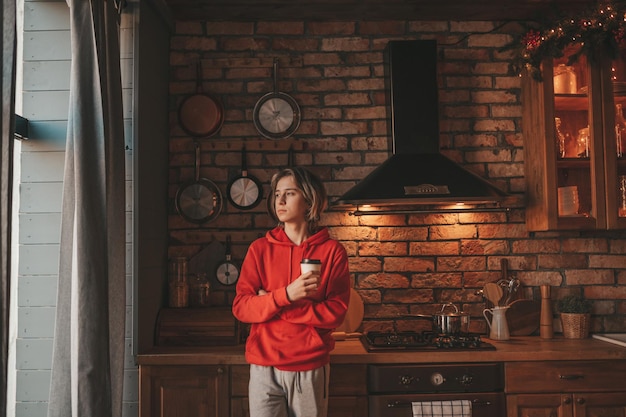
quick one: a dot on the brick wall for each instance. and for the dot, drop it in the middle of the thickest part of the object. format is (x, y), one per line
(401, 264)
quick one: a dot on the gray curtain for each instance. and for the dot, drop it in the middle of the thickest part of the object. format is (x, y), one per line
(88, 357)
(7, 121)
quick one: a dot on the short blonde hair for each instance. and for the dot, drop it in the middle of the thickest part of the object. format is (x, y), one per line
(312, 189)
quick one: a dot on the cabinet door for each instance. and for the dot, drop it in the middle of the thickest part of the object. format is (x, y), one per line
(575, 144)
(600, 405)
(172, 391)
(539, 405)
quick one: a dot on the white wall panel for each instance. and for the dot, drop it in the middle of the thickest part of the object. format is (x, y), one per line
(33, 385)
(50, 46)
(46, 105)
(46, 75)
(39, 228)
(32, 409)
(38, 260)
(42, 166)
(36, 322)
(37, 290)
(41, 197)
(34, 354)
(52, 15)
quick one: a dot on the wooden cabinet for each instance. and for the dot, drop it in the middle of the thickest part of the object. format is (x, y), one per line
(575, 146)
(348, 391)
(566, 389)
(172, 391)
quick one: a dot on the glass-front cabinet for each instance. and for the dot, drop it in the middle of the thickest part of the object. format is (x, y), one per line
(575, 144)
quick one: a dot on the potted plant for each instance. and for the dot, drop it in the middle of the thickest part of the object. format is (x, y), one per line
(575, 316)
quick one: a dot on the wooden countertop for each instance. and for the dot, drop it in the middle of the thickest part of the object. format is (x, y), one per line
(351, 351)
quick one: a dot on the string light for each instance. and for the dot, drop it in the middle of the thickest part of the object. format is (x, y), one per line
(603, 27)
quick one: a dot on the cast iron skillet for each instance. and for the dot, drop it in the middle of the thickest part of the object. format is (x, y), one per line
(199, 201)
(244, 191)
(201, 114)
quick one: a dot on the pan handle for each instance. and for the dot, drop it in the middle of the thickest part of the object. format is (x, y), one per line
(275, 75)
(197, 161)
(244, 162)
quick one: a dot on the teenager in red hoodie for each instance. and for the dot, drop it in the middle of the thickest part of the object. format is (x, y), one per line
(292, 314)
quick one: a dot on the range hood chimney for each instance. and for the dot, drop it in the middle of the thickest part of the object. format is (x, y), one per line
(417, 174)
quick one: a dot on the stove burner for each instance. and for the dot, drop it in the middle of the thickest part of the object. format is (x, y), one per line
(423, 341)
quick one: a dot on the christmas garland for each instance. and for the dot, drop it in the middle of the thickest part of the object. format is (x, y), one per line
(601, 28)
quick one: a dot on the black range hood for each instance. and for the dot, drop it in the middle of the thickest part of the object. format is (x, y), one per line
(417, 173)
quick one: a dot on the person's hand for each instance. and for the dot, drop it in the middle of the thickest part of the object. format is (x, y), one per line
(304, 285)
(261, 291)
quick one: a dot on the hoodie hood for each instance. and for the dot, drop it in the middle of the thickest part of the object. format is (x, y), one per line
(417, 173)
(278, 236)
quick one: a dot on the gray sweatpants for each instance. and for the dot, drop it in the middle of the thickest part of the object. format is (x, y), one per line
(276, 393)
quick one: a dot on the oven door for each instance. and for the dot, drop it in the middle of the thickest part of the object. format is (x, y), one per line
(484, 404)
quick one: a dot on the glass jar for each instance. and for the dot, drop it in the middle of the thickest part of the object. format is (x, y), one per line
(582, 143)
(621, 196)
(199, 291)
(620, 130)
(560, 138)
(565, 80)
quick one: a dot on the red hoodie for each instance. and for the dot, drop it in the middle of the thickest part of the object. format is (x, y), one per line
(291, 336)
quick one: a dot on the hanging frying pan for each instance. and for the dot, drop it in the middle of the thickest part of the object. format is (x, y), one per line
(227, 272)
(199, 201)
(276, 115)
(201, 114)
(244, 191)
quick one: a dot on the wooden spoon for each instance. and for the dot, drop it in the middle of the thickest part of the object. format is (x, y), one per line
(493, 292)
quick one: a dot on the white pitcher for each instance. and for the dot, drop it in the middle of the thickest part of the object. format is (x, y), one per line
(499, 328)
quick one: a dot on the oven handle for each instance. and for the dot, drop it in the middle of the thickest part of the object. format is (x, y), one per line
(408, 404)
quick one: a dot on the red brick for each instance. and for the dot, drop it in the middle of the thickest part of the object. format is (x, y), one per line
(330, 28)
(434, 248)
(345, 44)
(436, 280)
(384, 281)
(280, 28)
(404, 264)
(461, 263)
(453, 232)
(589, 277)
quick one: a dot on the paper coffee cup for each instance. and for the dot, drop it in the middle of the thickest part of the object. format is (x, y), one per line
(307, 265)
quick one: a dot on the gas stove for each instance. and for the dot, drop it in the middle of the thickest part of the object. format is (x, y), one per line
(415, 341)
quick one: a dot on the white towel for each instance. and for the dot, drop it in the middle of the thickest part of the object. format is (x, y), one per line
(455, 408)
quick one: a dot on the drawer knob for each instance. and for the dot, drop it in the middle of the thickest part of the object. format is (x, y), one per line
(580, 401)
(567, 400)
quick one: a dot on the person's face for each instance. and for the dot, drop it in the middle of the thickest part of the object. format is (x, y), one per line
(289, 202)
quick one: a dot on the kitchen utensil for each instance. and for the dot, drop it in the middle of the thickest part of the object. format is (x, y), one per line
(354, 315)
(523, 317)
(227, 272)
(498, 326)
(514, 284)
(493, 292)
(201, 114)
(449, 323)
(276, 115)
(244, 191)
(200, 200)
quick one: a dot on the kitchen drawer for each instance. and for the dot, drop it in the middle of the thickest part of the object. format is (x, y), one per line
(564, 376)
